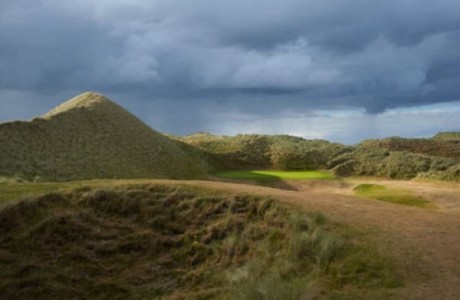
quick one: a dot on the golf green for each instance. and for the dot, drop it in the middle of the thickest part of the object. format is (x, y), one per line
(273, 175)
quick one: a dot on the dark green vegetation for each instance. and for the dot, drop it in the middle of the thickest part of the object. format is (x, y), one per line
(383, 193)
(151, 241)
(92, 137)
(276, 175)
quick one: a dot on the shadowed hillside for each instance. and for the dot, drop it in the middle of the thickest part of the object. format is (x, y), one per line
(91, 137)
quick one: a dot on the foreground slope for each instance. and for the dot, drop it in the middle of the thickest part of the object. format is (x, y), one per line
(169, 241)
(54, 242)
(89, 136)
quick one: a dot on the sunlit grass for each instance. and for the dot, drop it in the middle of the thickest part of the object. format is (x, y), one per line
(398, 196)
(276, 175)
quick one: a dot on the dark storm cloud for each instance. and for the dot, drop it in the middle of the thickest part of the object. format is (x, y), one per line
(263, 57)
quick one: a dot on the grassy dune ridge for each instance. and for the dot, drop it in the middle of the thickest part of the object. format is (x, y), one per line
(141, 241)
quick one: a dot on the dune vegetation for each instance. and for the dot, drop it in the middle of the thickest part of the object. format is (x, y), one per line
(173, 242)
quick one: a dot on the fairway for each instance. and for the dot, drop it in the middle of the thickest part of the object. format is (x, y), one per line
(276, 175)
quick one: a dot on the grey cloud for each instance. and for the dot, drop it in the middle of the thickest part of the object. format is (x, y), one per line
(264, 57)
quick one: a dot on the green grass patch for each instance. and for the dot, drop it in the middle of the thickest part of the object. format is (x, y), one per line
(398, 196)
(276, 175)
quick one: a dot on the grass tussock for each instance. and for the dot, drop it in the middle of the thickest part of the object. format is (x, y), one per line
(398, 196)
(166, 242)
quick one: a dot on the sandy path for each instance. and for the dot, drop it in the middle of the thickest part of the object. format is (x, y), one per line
(426, 242)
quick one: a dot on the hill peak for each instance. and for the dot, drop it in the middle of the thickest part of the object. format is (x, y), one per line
(84, 100)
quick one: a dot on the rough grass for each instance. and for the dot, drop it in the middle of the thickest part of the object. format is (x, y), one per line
(171, 242)
(276, 175)
(398, 196)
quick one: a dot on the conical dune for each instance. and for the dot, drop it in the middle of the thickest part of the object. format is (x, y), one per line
(90, 136)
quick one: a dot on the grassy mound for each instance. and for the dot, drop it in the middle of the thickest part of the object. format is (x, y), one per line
(91, 137)
(151, 242)
(398, 196)
(276, 175)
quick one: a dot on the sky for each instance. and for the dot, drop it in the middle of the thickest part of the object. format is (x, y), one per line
(342, 70)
